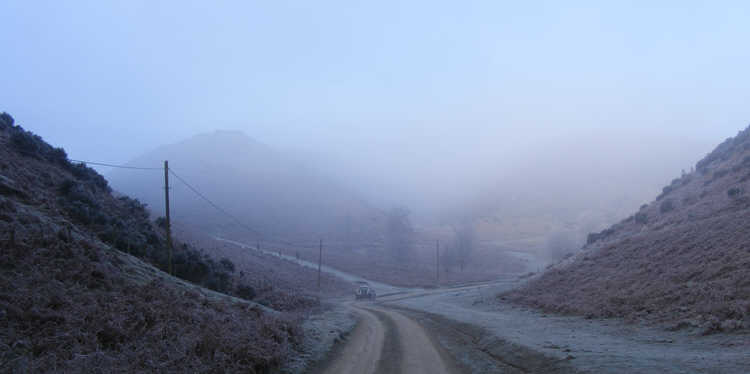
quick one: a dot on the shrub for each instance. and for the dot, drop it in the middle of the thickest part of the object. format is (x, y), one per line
(58, 156)
(245, 292)
(689, 200)
(31, 145)
(80, 204)
(25, 143)
(6, 120)
(594, 237)
(190, 266)
(666, 190)
(87, 174)
(66, 187)
(197, 267)
(75, 191)
(734, 192)
(720, 173)
(227, 265)
(161, 222)
(666, 206)
(79, 212)
(641, 218)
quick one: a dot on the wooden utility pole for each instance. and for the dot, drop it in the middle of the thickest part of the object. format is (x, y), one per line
(437, 259)
(320, 261)
(166, 208)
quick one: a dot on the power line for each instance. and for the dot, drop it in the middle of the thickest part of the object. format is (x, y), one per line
(220, 209)
(113, 166)
(275, 242)
(234, 218)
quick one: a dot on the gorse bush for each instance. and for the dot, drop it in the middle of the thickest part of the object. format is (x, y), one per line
(734, 192)
(25, 142)
(6, 120)
(197, 267)
(31, 145)
(79, 202)
(641, 217)
(161, 222)
(87, 174)
(667, 206)
(227, 265)
(244, 291)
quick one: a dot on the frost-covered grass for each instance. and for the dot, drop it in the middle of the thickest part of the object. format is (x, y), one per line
(417, 270)
(277, 282)
(71, 302)
(687, 266)
(72, 307)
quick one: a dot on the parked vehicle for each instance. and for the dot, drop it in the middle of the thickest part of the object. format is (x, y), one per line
(364, 292)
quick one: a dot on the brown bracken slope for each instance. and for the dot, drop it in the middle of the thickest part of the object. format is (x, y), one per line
(682, 260)
(73, 300)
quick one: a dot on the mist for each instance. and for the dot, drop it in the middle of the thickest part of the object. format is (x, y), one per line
(338, 187)
(451, 110)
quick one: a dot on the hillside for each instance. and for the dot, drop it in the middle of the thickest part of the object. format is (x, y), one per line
(283, 205)
(276, 195)
(82, 286)
(683, 260)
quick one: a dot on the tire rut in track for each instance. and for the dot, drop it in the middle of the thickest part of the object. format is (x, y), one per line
(477, 351)
(360, 352)
(391, 356)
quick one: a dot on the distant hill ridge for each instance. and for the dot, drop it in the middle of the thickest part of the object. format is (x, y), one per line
(276, 195)
(683, 259)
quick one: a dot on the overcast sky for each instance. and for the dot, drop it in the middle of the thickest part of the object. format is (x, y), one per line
(418, 87)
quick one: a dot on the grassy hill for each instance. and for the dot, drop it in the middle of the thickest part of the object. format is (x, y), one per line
(265, 188)
(82, 286)
(682, 260)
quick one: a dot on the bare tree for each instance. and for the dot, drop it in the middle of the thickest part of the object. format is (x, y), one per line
(465, 241)
(399, 233)
(459, 252)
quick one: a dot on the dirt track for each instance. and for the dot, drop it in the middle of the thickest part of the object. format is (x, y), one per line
(390, 339)
(385, 341)
(467, 329)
